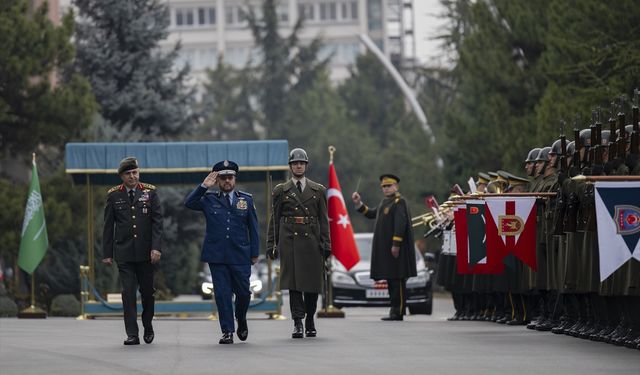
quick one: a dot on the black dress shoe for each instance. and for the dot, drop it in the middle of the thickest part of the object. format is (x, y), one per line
(243, 330)
(227, 338)
(148, 336)
(297, 329)
(392, 318)
(132, 340)
(310, 328)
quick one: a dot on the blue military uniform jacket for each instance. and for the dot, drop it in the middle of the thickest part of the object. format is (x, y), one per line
(232, 230)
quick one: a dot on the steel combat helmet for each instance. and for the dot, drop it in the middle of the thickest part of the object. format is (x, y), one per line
(298, 154)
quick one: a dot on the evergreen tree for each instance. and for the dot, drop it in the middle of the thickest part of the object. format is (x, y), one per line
(225, 107)
(134, 82)
(36, 106)
(286, 68)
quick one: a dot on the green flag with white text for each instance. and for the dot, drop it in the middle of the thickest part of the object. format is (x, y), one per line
(34, 242)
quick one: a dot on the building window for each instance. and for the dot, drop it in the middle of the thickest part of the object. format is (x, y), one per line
(307, 11)
(194, 17)
(206, 16)
(374, 11)
(354, 10)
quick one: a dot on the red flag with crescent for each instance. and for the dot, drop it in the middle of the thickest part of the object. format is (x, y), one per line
(343, 243)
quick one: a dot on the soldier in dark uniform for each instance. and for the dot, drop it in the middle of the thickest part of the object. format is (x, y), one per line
(132, 236)
(231, 244)
(392, 255)
(299, 235)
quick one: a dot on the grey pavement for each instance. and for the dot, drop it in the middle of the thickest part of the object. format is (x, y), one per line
(358, 344)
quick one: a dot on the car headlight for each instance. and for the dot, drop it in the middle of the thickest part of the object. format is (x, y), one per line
(342, 278)
(255, 286)
(207, 288)
(420, 280)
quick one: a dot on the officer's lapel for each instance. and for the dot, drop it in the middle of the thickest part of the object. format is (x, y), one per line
(308, 192)
(292, 191)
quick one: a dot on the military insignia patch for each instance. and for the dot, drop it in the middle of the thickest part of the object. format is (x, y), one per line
(627, 219)
(510, 225)
(144, 197)
(226, 163)
(242, 204)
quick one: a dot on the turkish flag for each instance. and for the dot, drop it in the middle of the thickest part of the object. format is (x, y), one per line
(343, 244)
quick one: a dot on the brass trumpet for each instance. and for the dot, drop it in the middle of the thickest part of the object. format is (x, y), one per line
(430, 219)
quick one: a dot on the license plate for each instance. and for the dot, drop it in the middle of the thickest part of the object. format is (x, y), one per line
(377, 293)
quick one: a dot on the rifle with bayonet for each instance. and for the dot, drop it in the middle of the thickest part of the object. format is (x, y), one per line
(613, 149)
(635, 135)
(622, 144)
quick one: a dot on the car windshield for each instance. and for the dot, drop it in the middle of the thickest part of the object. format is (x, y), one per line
(364, 248)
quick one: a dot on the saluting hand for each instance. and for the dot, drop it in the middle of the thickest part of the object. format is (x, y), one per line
(355, 197)
(211, 179)
(155, 256)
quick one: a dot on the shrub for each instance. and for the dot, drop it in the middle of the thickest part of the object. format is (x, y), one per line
(65, 305)
(8, 308)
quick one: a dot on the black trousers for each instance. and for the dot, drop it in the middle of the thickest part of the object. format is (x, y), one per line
(137, 275)
(302, 304)
(398, 295)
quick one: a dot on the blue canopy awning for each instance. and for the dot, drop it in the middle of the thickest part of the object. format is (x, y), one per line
(176, 162)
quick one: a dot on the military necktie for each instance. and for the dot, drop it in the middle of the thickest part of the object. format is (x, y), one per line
(228, 199)
(131, 196)
(299, 185)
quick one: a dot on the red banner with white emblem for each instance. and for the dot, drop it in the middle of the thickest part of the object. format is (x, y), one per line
(343, 243)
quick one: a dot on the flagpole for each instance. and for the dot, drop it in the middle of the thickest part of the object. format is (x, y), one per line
(32, 312)
(329, 311)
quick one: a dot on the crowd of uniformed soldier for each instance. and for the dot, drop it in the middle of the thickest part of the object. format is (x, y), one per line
(565, 294)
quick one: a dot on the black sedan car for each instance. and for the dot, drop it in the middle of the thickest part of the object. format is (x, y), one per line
(355, 287)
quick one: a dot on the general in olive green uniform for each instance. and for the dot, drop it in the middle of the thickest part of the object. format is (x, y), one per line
(393, 255)
(132, 236)
(299, 234)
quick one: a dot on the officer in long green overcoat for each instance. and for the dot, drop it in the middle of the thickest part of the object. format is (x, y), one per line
(299, 235)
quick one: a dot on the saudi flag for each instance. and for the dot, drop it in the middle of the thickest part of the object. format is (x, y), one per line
(34, 242)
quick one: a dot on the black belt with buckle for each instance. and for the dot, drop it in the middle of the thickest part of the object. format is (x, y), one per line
(298, 219)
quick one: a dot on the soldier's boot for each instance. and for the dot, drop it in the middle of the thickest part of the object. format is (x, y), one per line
(628, 331)
(538, 311)
(616, 321)
(602, 317)
(582, 317)
(297, 329)
(585, 330)
(520, 315)
(634, 338)
(542, 324)
(507, 312)
(553, 304)
(567, 317)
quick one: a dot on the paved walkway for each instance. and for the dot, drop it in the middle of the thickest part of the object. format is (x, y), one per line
(358, 344)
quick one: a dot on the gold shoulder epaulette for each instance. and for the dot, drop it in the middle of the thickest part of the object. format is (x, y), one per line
(115, 188)
(148, 186)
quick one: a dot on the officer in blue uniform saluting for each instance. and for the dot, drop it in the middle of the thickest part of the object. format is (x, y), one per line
(230, 244)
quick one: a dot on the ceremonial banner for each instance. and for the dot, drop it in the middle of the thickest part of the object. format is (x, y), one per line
(343, 243)
(618, 219)
(511, 227)
(474, 256)
(34, 242)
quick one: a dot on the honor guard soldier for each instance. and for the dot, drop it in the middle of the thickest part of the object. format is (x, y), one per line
(299, 235)
(393, 254)
(132, 236)
(231, 244)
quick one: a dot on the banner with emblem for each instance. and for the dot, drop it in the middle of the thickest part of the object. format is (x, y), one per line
(618, 221)
(34, 242)
(511, 227)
